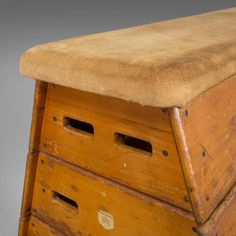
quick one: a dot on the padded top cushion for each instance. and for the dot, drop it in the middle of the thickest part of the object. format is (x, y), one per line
(161, 64)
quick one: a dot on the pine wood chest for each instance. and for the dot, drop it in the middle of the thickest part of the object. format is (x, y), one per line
(134, 131)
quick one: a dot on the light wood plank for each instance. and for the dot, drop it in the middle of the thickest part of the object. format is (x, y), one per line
(39, 228)
(149, 116)
(40, 94)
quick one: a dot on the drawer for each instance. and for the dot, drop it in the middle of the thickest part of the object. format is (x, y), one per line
(131, 152)
(77, 202)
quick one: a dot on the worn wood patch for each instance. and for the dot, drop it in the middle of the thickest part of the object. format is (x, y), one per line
(30, 171)
(40, 228)
(222, 222)
(141, 157)
(70, 199)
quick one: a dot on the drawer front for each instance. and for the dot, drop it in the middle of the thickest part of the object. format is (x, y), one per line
(39, 228)
(77, 202)
(136, 155)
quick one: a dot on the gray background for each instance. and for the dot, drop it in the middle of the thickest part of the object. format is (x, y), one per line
(24, 24)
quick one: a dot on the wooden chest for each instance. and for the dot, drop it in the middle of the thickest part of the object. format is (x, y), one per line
(106, 159)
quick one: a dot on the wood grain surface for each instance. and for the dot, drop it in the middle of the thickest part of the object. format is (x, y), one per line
(32, 157)
(39, 228)
(129, 212)
(222, 221)
(40, 94)
(157, 173)
(205, 133)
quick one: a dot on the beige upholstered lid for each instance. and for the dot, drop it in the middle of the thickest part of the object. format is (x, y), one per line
(161, 64)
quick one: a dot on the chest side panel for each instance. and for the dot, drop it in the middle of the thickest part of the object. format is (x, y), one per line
(208, 128)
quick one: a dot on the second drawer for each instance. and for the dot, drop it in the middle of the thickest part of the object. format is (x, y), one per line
(76, 202)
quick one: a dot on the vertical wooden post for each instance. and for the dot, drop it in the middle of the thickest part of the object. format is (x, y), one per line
(31, 166)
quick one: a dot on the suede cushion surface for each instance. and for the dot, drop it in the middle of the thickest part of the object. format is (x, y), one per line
(161, 64)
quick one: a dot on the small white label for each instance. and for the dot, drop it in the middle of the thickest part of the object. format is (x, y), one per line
(106, 220)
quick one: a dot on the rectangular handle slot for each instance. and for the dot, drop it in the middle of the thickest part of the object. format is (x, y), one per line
(79, 126)
(132, 142)
(64, 200)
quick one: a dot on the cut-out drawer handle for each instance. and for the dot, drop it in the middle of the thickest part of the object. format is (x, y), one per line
(63, 200)
(137, 144)
(78, 125)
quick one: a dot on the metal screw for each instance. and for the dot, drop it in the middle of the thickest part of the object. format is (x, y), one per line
(165, 153)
